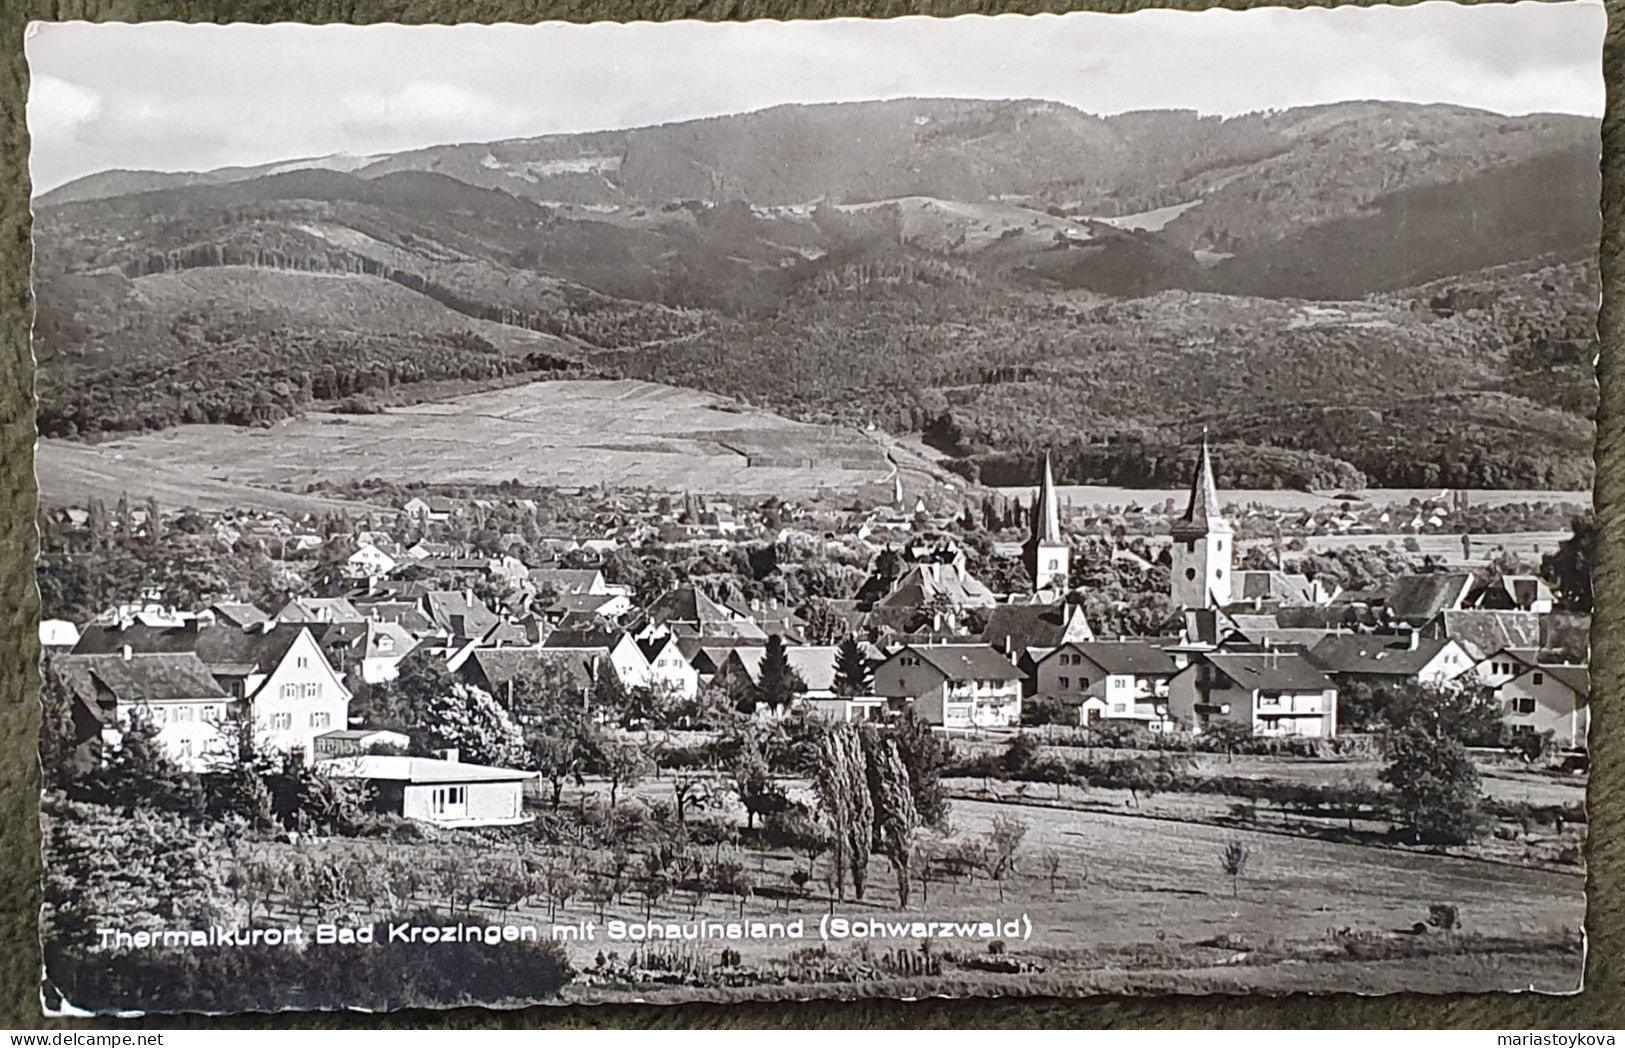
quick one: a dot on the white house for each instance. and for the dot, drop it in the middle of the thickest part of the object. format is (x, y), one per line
(58, 633)
(953, 685)
(1268, 692)
(369, 562)
(1111, 680)
(669, 669)
(1380, 657)
(426, 510)
(442, 792)
(1552, 699)
(625, 657)
(175, 692)
(276, 671)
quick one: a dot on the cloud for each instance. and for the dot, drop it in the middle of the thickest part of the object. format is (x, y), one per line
(194, 97)
(58, 106)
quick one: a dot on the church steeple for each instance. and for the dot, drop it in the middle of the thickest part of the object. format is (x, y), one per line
(1202, 545)
(1046, 553)
(1203, 514)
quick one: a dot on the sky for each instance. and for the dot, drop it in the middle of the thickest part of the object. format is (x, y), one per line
(175, 97)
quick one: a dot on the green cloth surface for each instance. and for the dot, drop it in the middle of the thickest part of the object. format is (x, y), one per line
(1601, 1005)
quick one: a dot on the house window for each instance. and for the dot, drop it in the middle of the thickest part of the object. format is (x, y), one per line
(1119, 707)
(1523, 705)
(290, 691)
(1266, 699)
(313, 691)
(321, 720)
(159, 715)
(1066, 682)
(186, 747)
(183, 715)
(1540, 678)
(1190, 573)
(210, 714)
(301, 662)
(449, 797)
(281, 721)
(386, 643)
(1190, 547)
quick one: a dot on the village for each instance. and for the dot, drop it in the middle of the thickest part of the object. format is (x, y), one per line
(684, 670)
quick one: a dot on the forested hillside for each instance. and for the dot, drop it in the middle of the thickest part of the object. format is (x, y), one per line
(1376, 292)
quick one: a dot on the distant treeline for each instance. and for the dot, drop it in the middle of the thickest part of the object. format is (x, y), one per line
(244, 384)
(1132, 464)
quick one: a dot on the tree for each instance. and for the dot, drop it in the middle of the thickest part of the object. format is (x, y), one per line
(840, 779)
(853, 674)
(824, 623)
(1003, 850)
(753, 782)
(1435, 783)
(924, 754)
(1233, 860)
(469, 720)
(1570, 568)
(623, 763)
(895, 817)
(778, 685)
(561, 746)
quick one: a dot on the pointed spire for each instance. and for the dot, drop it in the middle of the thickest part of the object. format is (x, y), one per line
(1203, 514)
(1046, 526)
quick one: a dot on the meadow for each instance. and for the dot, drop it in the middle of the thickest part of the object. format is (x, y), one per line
(1120, 899)
(567, 434)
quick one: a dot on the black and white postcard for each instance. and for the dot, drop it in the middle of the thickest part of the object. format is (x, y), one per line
(1082, 504)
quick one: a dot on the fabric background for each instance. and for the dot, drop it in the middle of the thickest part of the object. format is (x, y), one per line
(1601, 1005)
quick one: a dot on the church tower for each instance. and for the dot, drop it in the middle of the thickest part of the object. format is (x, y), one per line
(1046, 553)
(1202, 545)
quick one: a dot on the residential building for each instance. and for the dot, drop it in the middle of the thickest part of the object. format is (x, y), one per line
(173, 691)
(1516, 593)
(285, 685)
(369, 561)
(1109, 680)
(1381, 658)
(952, 685)
(1552, 699)
(443, 792)
(1269, 692)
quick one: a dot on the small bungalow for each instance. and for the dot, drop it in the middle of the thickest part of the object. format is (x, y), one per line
(442, 792)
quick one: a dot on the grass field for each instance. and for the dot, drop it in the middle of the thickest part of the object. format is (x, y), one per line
(1135, 904)
(564, 434)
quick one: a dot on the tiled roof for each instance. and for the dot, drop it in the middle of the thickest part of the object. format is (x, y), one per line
(960, 662)
(146, 677)
(1270, 671)
(1373, 654)
(1126, 657)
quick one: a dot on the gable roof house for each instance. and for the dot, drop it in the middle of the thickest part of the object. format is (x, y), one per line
(952, 685)
(1547, 698)
(687, 612)
(319, 609)
(1378, 658)
(278, 672)
(1417, 599)
(174, 691)
(1271, 693)
(1482, 632)
(1108, 680)
(496, 669)
(1516, 593)
(1021, 630)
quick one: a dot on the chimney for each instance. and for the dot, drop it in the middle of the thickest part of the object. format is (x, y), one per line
(126, 652)
(468, 596)
(1415, 639)
(449, 755)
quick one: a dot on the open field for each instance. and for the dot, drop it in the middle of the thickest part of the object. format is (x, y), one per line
(565, 434)
(1136, 905)
(70, 473)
